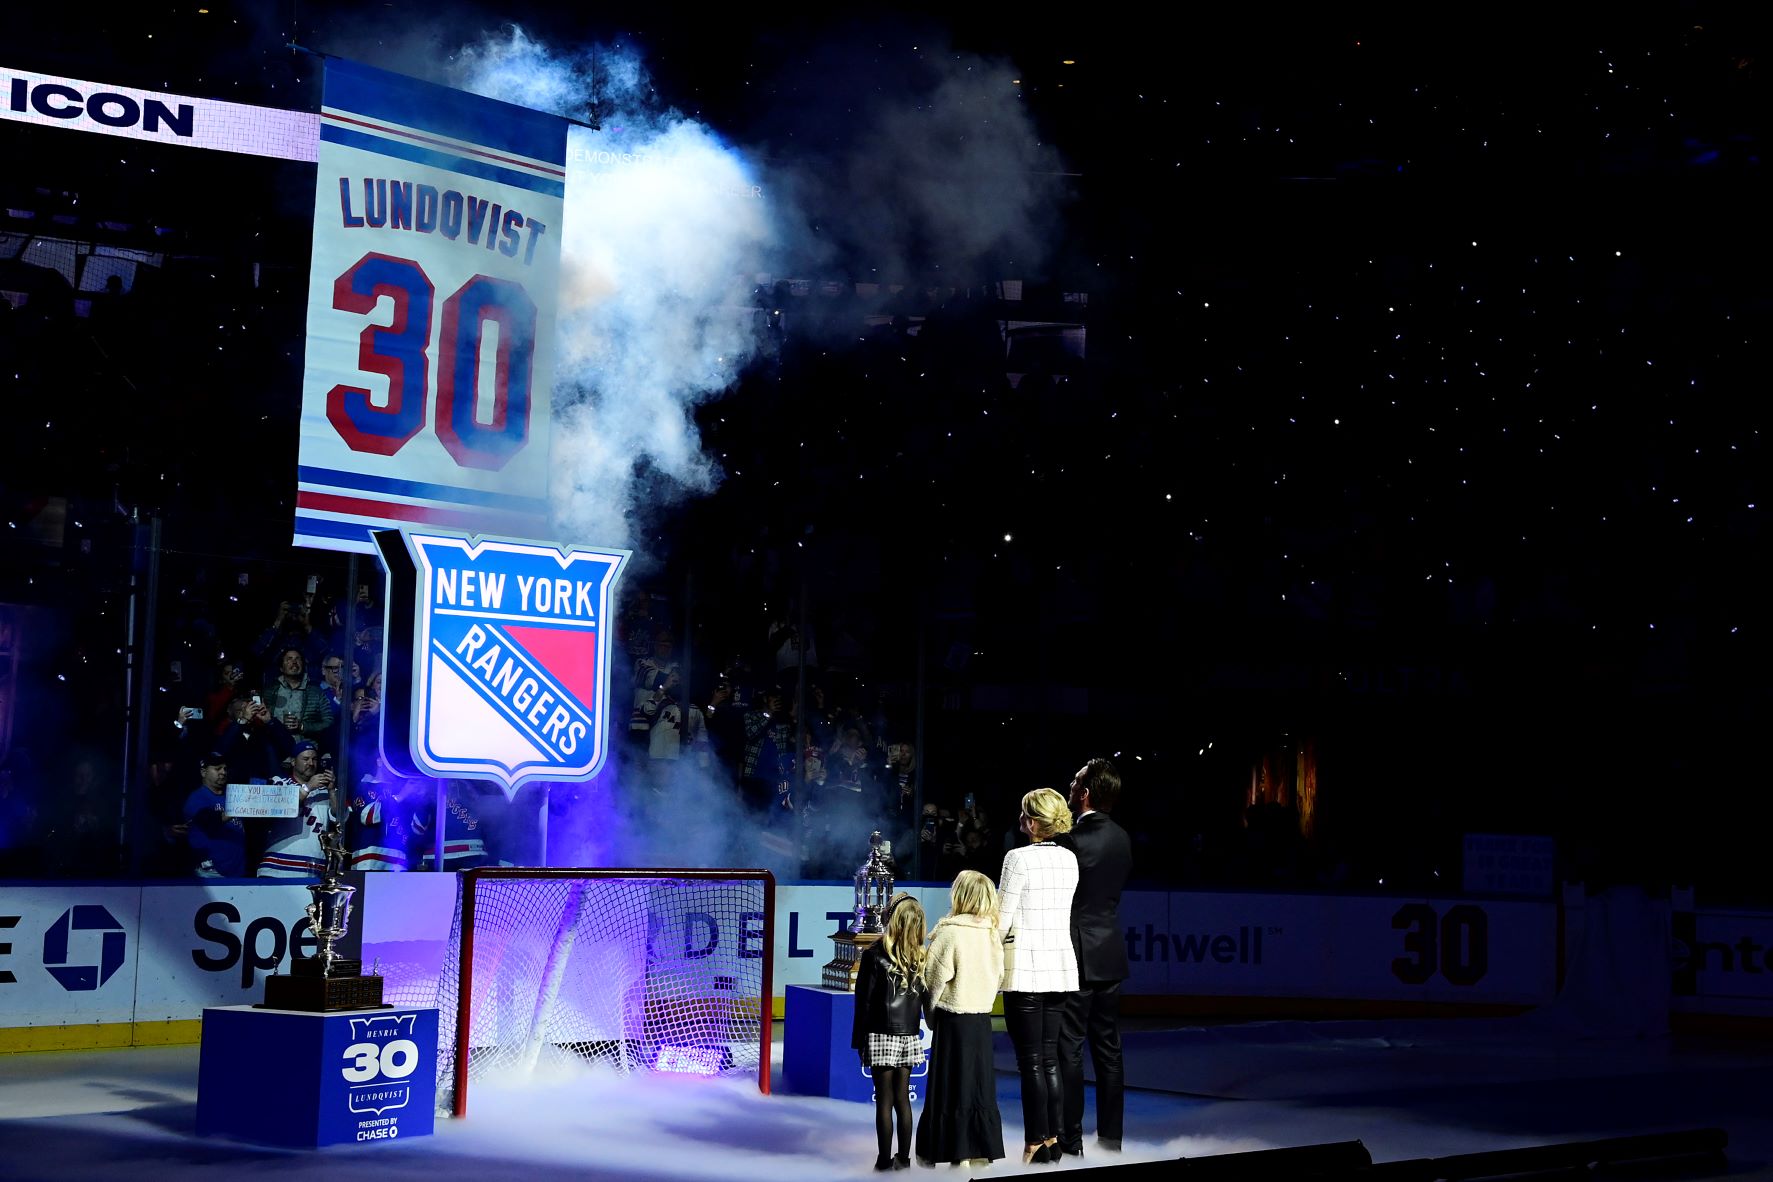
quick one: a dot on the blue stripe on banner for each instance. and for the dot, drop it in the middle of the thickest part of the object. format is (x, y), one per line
(405, 151)
(348, 531)
(395, 98)
(448, 494)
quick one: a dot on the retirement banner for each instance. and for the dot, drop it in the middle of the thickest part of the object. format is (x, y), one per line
(431, 305)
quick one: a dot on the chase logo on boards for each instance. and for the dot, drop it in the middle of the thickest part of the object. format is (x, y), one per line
(79, 978)
(7, 976)
(503, 671)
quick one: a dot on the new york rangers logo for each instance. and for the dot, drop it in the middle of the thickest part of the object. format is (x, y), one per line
(509, 663)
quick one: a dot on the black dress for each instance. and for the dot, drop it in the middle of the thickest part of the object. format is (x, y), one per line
(960, 1118)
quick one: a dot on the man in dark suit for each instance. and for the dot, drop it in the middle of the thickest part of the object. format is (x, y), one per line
(1104, 858)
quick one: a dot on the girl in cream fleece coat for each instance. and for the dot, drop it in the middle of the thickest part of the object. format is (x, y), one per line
(965, 963)
(960, 1121)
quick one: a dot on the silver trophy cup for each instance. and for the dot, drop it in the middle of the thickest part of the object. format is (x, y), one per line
(330, 915)
(326, 980)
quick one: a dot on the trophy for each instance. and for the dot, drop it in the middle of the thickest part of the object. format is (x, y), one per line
(327, 981)
(874, 887)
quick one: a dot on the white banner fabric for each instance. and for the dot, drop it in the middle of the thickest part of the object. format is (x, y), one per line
(427, 392)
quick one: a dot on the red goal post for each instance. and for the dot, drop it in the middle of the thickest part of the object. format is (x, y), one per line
(665, 970)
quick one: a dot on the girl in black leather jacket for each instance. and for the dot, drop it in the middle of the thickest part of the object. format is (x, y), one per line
(887, 1026)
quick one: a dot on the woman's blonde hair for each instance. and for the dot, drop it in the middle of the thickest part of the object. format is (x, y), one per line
(973, 894)
(1047, 814)
(902, 940)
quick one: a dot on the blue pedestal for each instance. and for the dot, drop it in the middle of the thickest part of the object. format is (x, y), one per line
(817, 1059)
(284, 1077)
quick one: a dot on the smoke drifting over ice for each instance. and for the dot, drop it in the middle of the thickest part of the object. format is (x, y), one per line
(684, 1127)
(663, 235)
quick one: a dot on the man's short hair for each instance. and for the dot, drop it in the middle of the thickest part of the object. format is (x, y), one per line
(1102, 782)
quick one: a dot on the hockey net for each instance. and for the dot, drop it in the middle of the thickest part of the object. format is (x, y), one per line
(628, 970)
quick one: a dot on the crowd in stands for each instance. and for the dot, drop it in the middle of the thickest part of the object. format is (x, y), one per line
(816, 757)
(273, 690)
(816, 760)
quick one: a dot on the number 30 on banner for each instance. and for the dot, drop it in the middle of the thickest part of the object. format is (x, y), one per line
(399, 352)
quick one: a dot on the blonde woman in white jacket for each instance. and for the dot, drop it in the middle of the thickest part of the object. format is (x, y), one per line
(1040, 965)
(960, 1121)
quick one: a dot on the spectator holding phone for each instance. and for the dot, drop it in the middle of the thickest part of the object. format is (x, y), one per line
(332, 678)
(255, 744)
(229, 677)
(294, 850)
(899, 785)
(332, 685)
(972, 815)
(366, 727)
(301, 706)
(291, 629)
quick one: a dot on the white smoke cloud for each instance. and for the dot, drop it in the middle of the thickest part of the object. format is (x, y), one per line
(683, 815)
(664, 228)
(702, 1128)
(941, 170)
(668, 224)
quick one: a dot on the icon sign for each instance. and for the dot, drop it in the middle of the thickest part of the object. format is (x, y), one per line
(504, 670)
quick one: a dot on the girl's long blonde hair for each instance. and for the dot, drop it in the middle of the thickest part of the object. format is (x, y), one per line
(973, 894)
(902, 941)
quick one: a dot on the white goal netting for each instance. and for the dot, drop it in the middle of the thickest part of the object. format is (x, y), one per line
(636, 970)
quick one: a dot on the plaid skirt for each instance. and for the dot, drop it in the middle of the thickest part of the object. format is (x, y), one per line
(893, 1050)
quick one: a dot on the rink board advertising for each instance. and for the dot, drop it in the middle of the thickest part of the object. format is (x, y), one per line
(95, 958)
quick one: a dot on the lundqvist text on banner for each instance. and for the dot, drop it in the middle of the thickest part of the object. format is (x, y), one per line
(431, 305)
(507, 676)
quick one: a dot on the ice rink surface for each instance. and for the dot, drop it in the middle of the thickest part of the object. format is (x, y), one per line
(1406, 1089)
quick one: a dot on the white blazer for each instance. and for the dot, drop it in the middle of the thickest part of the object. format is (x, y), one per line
(1034, 913)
